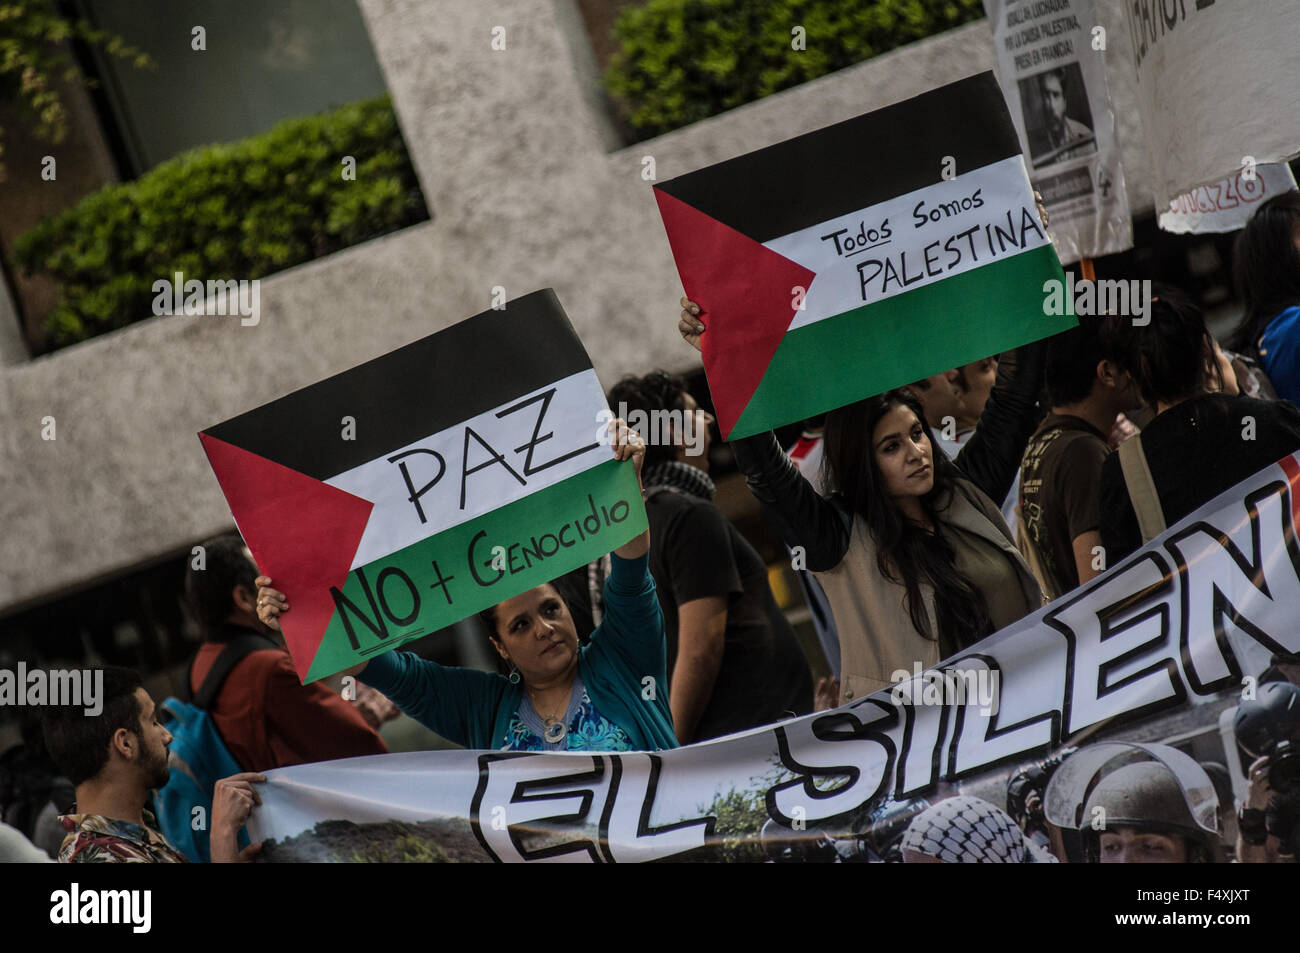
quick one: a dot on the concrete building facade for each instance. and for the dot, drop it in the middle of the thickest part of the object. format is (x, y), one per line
(528, 188)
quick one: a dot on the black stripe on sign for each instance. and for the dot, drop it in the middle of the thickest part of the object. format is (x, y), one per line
(417, 390)
(856, 163)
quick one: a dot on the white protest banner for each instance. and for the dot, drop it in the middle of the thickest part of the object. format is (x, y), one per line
(1226, 205)
(1051, 67)
(1216, 87)
(1148, 665)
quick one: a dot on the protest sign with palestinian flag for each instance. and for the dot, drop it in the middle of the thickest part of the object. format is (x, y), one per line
(863, 256)
(415, 489)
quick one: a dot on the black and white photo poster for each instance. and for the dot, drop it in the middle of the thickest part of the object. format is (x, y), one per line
(1053, 76)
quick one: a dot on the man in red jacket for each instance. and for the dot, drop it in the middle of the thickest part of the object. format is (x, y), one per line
(264, 714)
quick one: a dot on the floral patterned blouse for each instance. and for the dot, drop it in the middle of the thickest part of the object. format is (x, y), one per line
(588, 730)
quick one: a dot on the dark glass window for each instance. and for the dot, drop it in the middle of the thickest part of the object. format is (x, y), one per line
(265, 60)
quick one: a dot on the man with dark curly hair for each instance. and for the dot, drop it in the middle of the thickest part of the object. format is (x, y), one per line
(733, 659)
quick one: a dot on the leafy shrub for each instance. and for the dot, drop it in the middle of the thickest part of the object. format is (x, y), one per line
(680, 61)
(740, 817)
(385, 842)
(35, 56)
(239, 210)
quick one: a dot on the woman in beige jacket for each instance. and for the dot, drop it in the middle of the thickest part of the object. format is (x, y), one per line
(916, 560)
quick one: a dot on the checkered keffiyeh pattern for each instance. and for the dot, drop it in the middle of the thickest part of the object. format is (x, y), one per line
(966, 830)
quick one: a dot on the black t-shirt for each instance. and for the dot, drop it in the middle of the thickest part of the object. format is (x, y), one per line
(696, 553)
(1196, 450)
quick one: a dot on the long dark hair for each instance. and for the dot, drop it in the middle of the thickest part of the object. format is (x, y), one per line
(905, 553)
(1167, 355)
(1266, 267)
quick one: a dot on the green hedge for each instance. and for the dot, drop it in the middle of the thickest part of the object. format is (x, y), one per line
(680, 61)
(237, 210)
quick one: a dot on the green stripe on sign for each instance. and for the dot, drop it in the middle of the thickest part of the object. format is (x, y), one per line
(868, 350)
(431, 584)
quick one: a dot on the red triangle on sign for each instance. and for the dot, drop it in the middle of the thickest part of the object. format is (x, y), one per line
(302, 533)
(746, 295)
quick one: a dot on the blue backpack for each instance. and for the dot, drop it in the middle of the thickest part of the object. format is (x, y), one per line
(198, 758)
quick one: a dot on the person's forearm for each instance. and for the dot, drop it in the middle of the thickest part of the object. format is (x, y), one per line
(408, 682)
(223, 844)
(1084, 569)
(804, 518)
(634, 548)
(693, 679)
(1085, 564)
(991, 457)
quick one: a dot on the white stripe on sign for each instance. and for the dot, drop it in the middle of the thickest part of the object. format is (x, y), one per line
(479, 465)
(915, 239)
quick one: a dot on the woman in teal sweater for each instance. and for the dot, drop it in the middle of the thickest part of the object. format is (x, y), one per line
(610, 695)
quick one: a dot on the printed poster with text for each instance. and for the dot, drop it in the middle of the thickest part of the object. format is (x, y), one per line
(862, 256)
(1054, 78)
(1228, 204)
(1218, 94)
(403, 495)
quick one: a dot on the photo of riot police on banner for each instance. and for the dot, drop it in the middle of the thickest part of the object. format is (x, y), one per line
(1267, 729)
(783, 846)
(1125, 802)
(1025, 791)
(879, 838)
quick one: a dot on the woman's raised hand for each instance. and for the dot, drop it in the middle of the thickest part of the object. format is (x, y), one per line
(627, 444)
(270, 603)
(690, 324)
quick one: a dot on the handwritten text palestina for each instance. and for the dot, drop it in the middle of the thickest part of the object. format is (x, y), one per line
(973, 245)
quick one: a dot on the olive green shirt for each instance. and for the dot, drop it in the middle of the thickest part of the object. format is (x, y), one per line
(992, 572)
